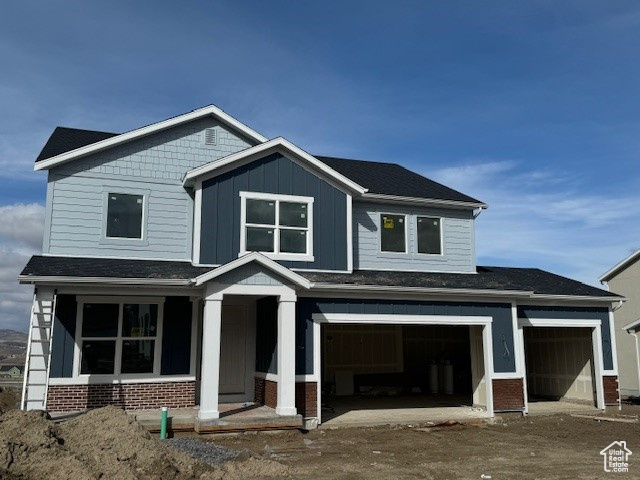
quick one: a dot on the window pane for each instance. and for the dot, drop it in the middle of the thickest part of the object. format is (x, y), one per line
(261, 211)
(98, 356)
(137, 356)
(392, 233)
(293, 241)
(293, 214)
(429, 235)
(259, 239)
(139, 320)
(124, 216)
(100, 320)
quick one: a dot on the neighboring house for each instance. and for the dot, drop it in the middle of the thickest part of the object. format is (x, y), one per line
(11, 371)
(194, 262)
(624, 279)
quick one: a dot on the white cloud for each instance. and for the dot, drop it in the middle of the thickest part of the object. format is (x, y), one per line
(546, 219)
(21, 229)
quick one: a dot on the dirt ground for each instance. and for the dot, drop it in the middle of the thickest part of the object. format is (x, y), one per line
(540, 447)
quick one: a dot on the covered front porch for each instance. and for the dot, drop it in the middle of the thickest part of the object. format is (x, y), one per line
(248, 351)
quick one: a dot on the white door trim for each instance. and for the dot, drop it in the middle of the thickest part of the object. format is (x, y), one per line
(399, 319)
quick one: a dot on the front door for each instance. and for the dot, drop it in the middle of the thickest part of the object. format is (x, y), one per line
(233, 350)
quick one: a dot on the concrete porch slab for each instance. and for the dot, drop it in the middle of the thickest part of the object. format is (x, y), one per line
(234, 417)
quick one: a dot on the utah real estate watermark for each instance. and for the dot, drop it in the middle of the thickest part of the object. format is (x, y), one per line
(616, 457)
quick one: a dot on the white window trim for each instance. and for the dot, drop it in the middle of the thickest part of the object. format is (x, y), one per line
(143, 240)
(276, 254)
(110, 378)
(406, 233)
(434, 217)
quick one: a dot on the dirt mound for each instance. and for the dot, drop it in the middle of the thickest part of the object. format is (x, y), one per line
(9, 398)
(104, 443)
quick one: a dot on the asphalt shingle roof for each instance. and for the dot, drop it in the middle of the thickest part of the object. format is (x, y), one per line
(487, 278)
(378, 177)
(65, 139)
(393, 179)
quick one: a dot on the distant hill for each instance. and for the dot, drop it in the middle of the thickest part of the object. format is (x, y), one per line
(13, 347)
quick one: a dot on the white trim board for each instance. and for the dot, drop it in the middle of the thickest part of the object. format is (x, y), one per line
(398, 319)
(209, 110)
(557, 322)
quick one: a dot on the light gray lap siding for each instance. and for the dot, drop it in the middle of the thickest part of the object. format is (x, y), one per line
(458, 240)
(155, 166)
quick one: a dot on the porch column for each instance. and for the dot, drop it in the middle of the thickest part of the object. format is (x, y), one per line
(210, 368)
(286, 402)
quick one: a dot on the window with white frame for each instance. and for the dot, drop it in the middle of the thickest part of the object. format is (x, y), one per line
(124, 215)
(393, 233)
(279, 226)
(119, 337)
(429, 233)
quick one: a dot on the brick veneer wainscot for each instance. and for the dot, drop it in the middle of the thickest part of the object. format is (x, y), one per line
(610, 386)
(266, 393)
(130, 396)
(508, 394)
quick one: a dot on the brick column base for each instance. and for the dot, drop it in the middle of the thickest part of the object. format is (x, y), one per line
(307, 399)
(266, 392)
(130, 396)
(611, 391)
(508, 394)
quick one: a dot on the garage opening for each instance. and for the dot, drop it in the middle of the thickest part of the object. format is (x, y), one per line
(559, 365)
(372, 372)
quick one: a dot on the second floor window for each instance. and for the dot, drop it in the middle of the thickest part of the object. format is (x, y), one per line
(124, 215)
(429, 235)
(279, 225)
(393, 233)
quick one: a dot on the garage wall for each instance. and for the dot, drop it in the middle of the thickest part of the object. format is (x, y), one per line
(362, 349)
(559, 362)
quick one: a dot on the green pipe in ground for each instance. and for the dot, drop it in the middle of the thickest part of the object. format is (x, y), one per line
(163, 423)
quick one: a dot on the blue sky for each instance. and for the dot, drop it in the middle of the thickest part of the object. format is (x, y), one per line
(531, 107)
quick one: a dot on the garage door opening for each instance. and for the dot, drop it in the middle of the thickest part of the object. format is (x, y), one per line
(381, 373)
(559, 365)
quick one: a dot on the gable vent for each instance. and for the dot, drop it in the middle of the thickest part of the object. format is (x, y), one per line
(210, 136)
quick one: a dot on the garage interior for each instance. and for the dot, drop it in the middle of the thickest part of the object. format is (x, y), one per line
(559, 364)
(399, 367)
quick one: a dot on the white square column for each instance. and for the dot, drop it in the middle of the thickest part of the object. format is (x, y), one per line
(210, 369)
(286, 401)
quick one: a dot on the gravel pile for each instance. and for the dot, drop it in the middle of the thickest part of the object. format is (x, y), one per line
(206, 452)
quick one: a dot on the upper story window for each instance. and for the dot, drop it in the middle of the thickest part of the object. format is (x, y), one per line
(429, 234)
(280, 226)
(124, 215)
(393, 233)
(119, 338)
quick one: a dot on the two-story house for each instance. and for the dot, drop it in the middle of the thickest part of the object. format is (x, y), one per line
(195, 263)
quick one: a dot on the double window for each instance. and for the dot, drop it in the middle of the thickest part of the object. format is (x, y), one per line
(279, 226)
(119, 337)
(394, 233)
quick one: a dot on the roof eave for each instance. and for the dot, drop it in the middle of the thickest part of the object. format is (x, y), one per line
(619, 266)
(62, 279)
(379, 197)
(210, 110)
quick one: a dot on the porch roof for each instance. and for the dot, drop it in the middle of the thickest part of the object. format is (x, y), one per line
(529, 281)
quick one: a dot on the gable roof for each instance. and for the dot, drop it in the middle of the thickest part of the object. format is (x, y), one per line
(391, 179)
(254, 257)
(619, 267)
(279, 144)
(117, 139)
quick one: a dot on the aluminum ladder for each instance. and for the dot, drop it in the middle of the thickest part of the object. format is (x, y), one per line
(38, 361)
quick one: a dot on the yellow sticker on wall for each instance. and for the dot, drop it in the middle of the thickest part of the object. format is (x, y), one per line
(388, 222)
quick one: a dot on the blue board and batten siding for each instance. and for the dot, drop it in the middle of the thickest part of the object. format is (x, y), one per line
(220, 222)
(502, 326)
(457, 240)
(576, 313)
(154, 165)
